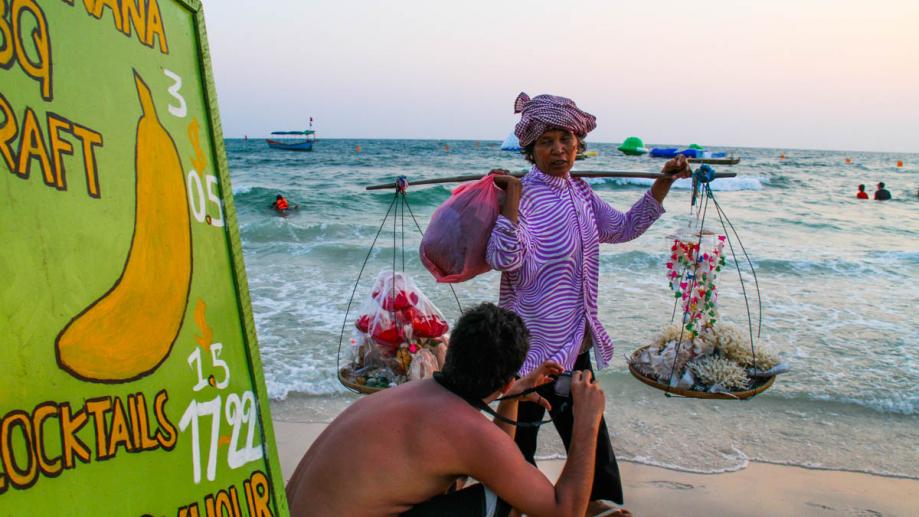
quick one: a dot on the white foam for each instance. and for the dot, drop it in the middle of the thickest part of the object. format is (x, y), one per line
(721, 184)
(644, 460)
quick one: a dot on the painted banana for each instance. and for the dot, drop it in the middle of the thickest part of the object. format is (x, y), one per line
(129, 330)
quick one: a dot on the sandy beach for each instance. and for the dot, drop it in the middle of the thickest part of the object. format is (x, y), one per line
(759, 489)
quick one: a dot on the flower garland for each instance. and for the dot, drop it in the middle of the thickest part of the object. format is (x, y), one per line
(691, 273)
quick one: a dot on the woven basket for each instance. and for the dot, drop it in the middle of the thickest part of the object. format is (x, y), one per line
(360, 388)
(759, 385)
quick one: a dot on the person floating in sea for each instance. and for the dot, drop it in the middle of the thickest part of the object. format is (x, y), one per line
(281, 205)
(546, 243)
(861, 192)
(881, 194)
(400, 450)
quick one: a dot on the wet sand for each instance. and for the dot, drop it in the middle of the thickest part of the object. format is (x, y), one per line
(759, 489)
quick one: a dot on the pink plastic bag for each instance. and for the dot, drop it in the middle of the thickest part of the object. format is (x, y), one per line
(453, 247)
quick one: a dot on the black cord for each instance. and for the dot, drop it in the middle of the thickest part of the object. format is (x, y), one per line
(759, 298)
(392, 301)
(402, 221)
(482, 406)
(344, 324)
(455, 297)
(739, 275)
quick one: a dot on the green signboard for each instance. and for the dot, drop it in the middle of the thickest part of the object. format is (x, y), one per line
(130, 382)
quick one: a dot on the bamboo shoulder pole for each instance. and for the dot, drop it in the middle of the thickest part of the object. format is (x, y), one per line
(579, 174)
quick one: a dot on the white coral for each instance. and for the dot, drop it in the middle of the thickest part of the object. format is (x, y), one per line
(714, 370)
(734, 344)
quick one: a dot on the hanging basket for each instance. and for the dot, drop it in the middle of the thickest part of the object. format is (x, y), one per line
(396, 317)
(693, 266)
(360, 388)
(759, 385)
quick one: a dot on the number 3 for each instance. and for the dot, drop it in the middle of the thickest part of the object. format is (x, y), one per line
(182, 108)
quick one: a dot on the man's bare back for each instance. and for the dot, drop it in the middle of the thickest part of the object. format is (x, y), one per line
(394, 449)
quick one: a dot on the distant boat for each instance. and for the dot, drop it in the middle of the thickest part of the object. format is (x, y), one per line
(293, 144)
(664, 152)
(716, 161)
(693, 151)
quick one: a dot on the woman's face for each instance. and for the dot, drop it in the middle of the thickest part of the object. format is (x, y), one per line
(555, 151)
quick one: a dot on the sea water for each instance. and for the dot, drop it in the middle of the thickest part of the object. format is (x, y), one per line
(837, 282)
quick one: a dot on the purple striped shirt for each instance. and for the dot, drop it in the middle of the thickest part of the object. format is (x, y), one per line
(550, 263)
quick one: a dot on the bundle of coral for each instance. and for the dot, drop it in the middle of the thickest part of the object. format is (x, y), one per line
(399, 335)
(716, 359)
(702, 354)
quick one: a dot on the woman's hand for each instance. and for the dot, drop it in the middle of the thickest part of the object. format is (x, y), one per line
(503, 179)
(674, 169)
(677, 167)
(544, 374)
(512, 188)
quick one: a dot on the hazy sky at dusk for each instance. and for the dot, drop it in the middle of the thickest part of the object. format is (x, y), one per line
(825, 74)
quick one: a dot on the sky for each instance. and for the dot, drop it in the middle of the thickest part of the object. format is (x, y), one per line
(806, 74)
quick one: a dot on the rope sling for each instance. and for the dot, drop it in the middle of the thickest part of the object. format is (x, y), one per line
(701, 188)
(400, 199)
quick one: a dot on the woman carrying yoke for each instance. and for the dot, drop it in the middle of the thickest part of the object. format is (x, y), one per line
(546, 243)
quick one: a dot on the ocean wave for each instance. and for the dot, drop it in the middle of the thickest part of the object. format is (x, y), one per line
(885, 263)
(300, 384)
(828, 266)
(906, 257)
(740, 462)
(895, 403)
(634, 260)
(722, 184)
(248, 195)
(282, 231)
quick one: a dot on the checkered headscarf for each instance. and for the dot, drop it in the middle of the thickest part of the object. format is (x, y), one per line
(545, 112)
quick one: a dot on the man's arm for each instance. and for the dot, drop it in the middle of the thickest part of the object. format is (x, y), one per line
(508, 408)
(497, 462)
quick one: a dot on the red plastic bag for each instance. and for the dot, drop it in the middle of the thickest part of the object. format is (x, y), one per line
(453, 247)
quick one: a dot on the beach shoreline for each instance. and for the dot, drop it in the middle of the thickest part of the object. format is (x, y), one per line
(757, 489)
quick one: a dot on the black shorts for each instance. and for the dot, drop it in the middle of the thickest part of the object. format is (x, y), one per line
(473, 501)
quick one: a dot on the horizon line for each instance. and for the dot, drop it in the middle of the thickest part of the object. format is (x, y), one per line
(594, 142)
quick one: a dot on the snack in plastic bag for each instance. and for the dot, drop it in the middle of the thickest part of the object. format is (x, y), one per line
(453, 246)
(424, 364)
(399, 335)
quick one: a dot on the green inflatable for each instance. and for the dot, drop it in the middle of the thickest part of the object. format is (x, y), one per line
(633, 146)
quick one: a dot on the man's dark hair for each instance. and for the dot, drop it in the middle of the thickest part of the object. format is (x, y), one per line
(861, 188)
(528, 150)
(487, 347)
(881, 185)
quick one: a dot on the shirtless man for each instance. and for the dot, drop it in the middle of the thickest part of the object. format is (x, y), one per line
(399, 450)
